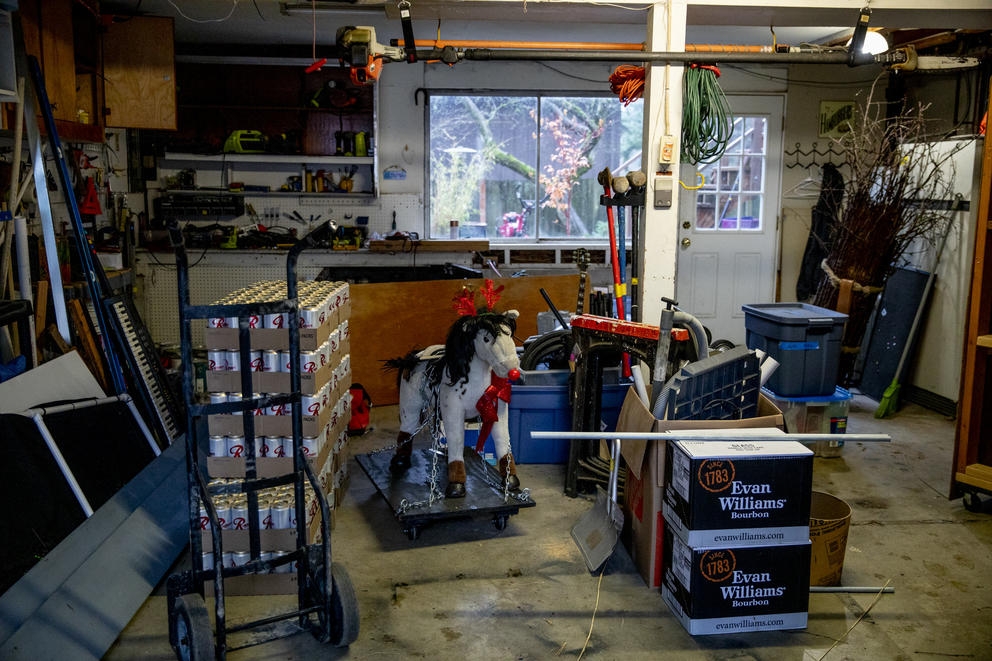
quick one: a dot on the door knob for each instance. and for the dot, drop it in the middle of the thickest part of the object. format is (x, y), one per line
(686, 243)
(686, 224)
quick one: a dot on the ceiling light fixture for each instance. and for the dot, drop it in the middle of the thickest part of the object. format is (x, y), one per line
(875, 43)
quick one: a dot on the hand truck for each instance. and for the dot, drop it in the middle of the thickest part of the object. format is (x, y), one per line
(324, 589)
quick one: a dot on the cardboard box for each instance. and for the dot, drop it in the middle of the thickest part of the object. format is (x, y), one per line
(731, 590)
(255, 584)
(269, 466)
(646, 474)
(738, 492)
(269, 425)
(275, 339)
(237, 540)
(310, 382)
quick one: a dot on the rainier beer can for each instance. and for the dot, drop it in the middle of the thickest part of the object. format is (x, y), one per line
(255, 321)
(273, 446)
(241, 558)
(223, 507)
(264, 516)
(280, 513)
(218, 398)
(232, 322)
(208, 560)
(233, 363)
(204, 518)
(217, 446)
(239, 515)
(287, 446)
(310, 404)
(261, 448)
(270, 361)
(309, 362)
(255, 360)
(218, 322)
(311, 446)
(217, 360)
(276, 320)
(235, 446)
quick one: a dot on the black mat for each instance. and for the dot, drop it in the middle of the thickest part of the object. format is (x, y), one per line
(483, 485)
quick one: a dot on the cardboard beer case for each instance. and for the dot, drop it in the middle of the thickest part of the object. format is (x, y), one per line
(738, 492)
(725, 590)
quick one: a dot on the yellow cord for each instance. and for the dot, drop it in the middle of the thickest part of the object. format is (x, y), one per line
(702, 182)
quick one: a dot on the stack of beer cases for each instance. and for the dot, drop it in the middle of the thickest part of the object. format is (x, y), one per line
(736, 533)
(325, 364)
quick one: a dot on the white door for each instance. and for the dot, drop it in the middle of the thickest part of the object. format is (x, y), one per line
(728, 229)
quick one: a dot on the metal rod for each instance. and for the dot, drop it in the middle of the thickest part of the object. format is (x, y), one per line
(554, 309)
(698, 57)
(705, 436)
(273, 619)
(859, 589)
(141, 424)
(63, 466)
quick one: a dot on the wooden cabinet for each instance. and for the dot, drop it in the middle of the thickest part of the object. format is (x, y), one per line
(973, 442)
(62, 34)
(139, 73)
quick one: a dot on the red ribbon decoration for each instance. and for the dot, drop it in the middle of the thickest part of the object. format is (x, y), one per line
(488, 405)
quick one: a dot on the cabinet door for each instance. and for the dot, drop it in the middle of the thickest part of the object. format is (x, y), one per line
(48, 36)
(139, 74)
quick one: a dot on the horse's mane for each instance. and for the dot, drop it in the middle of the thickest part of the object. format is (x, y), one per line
(459, 349)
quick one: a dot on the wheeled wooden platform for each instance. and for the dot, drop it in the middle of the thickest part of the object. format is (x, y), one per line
(483, 485)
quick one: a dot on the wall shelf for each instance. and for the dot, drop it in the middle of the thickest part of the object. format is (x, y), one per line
(274, 193)
(271, 159)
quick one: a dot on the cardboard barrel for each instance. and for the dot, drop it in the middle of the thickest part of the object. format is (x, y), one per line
(829, 521)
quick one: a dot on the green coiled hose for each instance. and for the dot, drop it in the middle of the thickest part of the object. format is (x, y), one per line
(707, 123)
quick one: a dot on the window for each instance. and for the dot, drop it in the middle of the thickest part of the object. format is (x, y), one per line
(511, 167)
(735, 184)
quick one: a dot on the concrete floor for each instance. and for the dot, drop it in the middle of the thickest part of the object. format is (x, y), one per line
(466, 591)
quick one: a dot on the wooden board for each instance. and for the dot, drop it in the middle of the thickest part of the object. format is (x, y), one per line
(139, 73)
(428, 246)
(58, 58)
(88, 348)
(390, 319)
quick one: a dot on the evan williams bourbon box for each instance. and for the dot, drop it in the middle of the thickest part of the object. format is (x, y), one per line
(738, 492)
(721, 590)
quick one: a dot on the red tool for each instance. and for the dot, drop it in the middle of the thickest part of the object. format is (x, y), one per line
(619, 289)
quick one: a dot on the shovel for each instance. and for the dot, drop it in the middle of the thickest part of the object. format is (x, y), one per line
(597, 531)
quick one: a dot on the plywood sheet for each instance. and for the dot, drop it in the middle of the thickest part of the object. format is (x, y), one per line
(139, 74)
(390, 319)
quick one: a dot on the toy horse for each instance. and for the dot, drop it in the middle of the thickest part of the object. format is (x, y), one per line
(471, 372)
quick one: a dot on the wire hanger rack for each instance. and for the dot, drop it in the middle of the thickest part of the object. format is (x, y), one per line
(814, 156)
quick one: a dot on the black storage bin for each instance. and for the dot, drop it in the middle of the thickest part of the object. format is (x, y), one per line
(804, 339)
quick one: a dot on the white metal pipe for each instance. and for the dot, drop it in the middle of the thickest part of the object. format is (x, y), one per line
(63, 466)
(858, 589)
(141, 423)
(706, 436)
(24, 279)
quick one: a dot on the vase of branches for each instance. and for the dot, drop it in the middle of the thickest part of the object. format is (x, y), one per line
(896, 172)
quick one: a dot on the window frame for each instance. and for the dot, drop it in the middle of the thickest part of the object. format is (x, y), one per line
(563, 242)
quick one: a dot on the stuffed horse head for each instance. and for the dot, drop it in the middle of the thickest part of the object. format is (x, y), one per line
(486, 335)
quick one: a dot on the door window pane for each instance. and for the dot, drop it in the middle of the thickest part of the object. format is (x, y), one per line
(727, 211)
(705, 211)
(738, 179)
(754, 135)
(752, 173)
(750, 212)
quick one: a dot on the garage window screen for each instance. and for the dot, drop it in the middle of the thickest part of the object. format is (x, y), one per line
(523, 168)
(732, 194)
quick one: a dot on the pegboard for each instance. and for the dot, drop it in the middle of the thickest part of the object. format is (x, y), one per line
(158, 298)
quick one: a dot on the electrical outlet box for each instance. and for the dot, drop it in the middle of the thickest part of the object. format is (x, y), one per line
(663, 192)
(666, 150)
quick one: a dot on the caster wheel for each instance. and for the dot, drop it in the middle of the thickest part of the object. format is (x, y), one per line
(499, 521)
(341, 628)
(413, 534)
(719, 346)
(194, 637)
(972, 501)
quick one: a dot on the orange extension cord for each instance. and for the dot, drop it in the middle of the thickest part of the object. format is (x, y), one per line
(627, 82)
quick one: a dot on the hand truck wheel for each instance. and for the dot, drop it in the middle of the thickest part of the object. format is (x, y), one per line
(499, 521)
(191, 623)
(340, 626)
